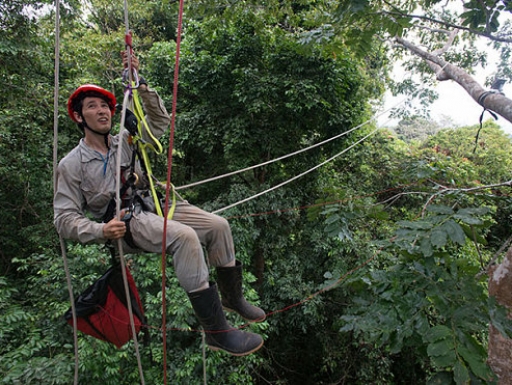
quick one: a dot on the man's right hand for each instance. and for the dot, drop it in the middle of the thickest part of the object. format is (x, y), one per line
(115, 229)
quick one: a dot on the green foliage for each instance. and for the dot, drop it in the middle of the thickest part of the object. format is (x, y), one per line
(419, 293)
(30, 331)
(374, 283)
(493, 147)
(25, 137)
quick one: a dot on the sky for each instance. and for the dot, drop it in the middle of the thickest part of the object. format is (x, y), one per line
(453, 103)
(462, 109)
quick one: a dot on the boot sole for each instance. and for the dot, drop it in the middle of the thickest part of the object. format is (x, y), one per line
(216, 348)
(247, 319)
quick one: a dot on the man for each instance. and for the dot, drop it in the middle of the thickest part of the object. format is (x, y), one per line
(86, 183)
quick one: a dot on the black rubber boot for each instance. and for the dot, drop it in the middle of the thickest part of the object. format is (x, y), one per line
(230, 286)
(219, 333)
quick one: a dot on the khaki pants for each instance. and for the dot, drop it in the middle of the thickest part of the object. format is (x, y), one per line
(190, 229)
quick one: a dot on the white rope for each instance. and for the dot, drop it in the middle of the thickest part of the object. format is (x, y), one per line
(203, 343)
(127, 95)
(297, 176)
(73, 308)
(288, 155)
(122, 260)
(119, 241)
(55, 161)
(441, 70)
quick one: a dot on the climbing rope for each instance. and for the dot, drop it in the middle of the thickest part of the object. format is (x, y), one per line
(122, 260)
(289, 155)
(55, 158)
(296, 176)
(168, 185)
(198, 183)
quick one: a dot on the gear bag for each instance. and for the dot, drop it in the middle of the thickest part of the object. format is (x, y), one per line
(102, 312)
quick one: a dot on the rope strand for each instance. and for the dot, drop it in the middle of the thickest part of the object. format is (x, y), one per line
(375, 117)
(168, 185)
(55, 158)
(296, 176)
(127, 96)
(126, 99)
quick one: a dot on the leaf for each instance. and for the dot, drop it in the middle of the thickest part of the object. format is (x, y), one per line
(438, 332)
(473, 234)
(499, 317)
(446, 360)
(426, 247)
(440, 209)
(440, 348)
(332, 219)
(475, 361)
(470, 220)
(396, 343)
(460, 373)
(438, 238)
(419, 225)
(454, 231)
(482, 210)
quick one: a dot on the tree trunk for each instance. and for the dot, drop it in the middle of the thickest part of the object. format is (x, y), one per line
(500, 347)
(489, 99)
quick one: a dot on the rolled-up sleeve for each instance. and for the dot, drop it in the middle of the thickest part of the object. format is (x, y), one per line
(157, 116)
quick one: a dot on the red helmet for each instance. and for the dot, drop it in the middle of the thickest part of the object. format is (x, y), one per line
(90, 90)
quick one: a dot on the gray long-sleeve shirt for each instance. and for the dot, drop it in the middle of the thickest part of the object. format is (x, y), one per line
(86, 180)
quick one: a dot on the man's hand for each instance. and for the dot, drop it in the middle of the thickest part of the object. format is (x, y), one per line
(114, 229)
(135, 66)
(135, 61)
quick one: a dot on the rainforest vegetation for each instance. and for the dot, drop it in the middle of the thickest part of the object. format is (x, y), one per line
(372, 266)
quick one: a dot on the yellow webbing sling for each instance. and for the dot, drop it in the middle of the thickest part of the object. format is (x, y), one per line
(153, 145)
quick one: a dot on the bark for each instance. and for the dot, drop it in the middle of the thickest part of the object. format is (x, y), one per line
(489, 99)
(500, 347)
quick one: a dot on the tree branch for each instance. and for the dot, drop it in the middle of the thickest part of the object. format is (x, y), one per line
(495, 257)
(446, 190)
(451, 37)
(494, 101)
(451, 25)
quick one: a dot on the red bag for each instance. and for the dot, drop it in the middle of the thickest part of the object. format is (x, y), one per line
(102, 312)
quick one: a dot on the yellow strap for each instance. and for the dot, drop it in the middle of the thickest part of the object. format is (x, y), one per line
(170, 214)
(143, 124)
(143, 146)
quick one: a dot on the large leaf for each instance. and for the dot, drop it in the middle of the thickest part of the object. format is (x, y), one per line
(454, 231)
(437, 333)
(460, 373)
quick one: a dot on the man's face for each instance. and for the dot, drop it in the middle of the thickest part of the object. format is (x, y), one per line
(96, 113)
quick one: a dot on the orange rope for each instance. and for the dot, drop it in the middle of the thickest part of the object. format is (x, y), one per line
(168, 184)
(331, 286)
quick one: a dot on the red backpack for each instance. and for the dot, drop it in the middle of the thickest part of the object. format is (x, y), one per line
(102, 312)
